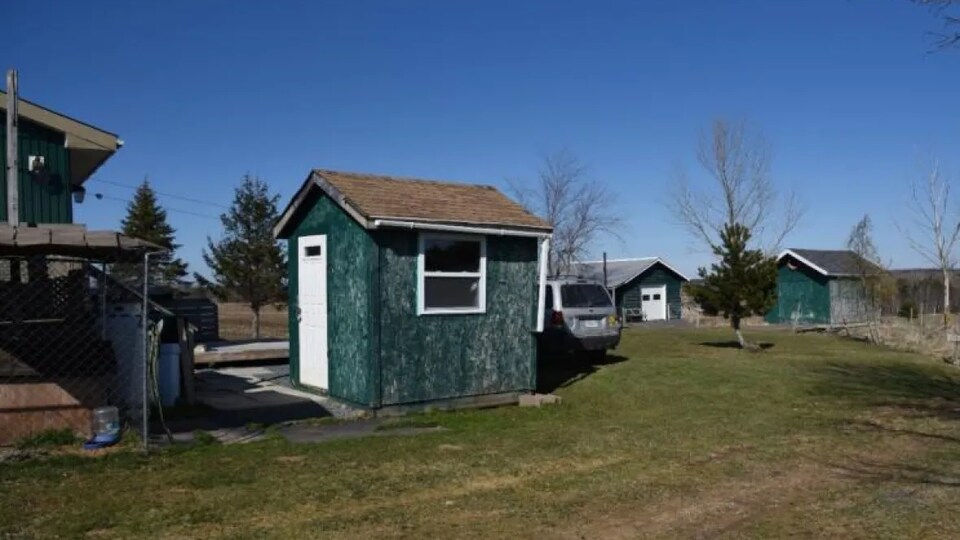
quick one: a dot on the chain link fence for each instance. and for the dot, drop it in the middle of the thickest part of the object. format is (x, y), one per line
(72, 338)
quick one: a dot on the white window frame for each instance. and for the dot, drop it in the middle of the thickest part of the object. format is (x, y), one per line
(422, 274)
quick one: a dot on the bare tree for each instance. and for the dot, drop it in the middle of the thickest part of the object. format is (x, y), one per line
(738, 189)
(579, 207)
(950, 35)
(875, 285)
(935, 226)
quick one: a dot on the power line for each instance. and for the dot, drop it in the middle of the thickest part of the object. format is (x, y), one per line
(170, 195)
(177, 210)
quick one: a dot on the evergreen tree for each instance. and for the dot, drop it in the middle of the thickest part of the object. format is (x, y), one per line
(743, 283)
(247, 262)
(147, 220)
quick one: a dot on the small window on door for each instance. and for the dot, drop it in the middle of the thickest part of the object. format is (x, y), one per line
(312, 251)
(656, 297)
(646, 298)
(548, 302)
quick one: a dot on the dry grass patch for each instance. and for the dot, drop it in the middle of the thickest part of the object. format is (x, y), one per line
(236, 321)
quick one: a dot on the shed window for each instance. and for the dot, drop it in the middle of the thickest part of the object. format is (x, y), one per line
(452, 274)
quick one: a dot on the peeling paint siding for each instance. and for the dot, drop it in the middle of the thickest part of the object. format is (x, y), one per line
(803, 292)
(432, 357)
(628, 296)
(41, 201)
(848, 302)
(350, 253)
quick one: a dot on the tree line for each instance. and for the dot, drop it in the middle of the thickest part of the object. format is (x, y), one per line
(246, 263)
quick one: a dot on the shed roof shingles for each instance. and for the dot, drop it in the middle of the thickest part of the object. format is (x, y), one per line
(387, 197)
(836, 262)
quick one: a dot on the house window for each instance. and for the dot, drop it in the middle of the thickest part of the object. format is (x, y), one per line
(452, 274)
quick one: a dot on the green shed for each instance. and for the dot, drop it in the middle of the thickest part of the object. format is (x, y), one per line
(821, 287)
(646, 288)
(406, 292)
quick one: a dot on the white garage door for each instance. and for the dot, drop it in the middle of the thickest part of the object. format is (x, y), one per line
(654, 303)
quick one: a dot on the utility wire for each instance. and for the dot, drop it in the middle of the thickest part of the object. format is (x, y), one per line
(170, 195)
(101, 196)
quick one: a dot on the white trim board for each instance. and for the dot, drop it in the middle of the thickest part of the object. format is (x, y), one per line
(422, 274)
(804, 260)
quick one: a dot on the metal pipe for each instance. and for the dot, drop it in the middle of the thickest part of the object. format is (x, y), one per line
(103, 300)
(542, 286)
(143, 334)
(13, 153)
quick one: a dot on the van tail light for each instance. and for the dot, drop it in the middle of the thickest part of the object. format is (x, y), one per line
(556, 318)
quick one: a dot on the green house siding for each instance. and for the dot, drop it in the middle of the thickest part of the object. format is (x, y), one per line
(432, 357)
(42, 200)
(350, 256)
(628, 295)
(801, 293)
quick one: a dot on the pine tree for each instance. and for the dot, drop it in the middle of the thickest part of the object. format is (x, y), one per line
(742, 284)
(147, 220)
(247, 262)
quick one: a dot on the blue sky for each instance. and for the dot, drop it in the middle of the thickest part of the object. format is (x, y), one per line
(847, 92)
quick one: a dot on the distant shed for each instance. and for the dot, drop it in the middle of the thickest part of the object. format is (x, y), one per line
(649, 286)
(822, 287)
(406, 291)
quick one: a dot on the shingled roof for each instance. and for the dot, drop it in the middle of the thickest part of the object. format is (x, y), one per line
(621, 271)
(370, 197)
(832, 262)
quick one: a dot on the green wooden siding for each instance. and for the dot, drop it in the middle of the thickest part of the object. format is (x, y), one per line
(350, 257)
(628, 295)
(801, 293)
(46, 200)
(432, 357)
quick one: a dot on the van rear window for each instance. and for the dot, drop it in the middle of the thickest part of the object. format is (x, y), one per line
(584, 296)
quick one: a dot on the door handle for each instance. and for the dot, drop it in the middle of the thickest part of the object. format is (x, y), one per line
(299, 314)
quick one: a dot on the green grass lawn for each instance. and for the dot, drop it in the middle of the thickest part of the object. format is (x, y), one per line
(677, 436)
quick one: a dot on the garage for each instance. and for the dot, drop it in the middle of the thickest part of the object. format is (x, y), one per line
(653, 302)
(643, 289)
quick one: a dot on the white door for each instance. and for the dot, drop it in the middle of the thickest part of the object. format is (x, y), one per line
(654, 303)
(312, 310)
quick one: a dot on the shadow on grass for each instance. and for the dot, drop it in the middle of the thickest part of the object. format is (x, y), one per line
(892, 385)
(558, 371)
(908, 392)
(876, 427)
(899, 473)
(732, 344)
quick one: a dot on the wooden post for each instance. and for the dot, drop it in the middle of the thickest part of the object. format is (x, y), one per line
(185, 337)
(13, 160)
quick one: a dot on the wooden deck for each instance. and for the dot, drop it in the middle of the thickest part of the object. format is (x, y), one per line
(219, 352)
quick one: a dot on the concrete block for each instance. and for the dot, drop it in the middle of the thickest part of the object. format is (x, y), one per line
(537, 400)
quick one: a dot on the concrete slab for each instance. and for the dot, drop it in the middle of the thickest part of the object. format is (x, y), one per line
(235, 398)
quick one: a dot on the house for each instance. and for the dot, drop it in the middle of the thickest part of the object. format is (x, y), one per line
(822, 287)
(65, 346)
(646, 288)
(407, 292)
